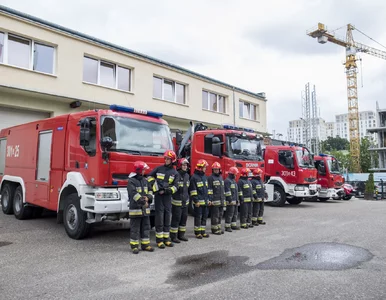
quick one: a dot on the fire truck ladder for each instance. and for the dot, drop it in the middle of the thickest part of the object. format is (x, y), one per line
(352, 48)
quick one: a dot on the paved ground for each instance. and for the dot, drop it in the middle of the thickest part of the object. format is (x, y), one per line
(41, 262)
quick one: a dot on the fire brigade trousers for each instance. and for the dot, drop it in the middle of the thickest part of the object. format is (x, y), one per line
(245, 213)
(139, 230)
(179, 217)
(258, 211)
(215, 218)
(163, 214)
(231, 216)
(220, 217)
(200, 216)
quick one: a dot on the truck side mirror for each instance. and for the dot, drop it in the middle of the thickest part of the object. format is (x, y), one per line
(84, 136)
(106, 143)
(178, 138)
(217, 150)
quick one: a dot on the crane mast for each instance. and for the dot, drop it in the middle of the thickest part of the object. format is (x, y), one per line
(352, 47)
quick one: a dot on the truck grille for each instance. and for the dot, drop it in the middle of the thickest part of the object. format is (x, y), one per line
(310, 179)
(118, 176)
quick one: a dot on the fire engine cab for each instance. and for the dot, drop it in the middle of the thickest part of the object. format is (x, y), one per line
(78, 164)
(290, 169)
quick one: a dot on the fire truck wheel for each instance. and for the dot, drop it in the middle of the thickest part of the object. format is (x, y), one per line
(279, 197)
(74, 218)
(20, 210)
(7, 199)
(323, 199)
(294, 201)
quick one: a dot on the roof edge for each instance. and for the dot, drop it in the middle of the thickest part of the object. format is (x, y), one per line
(16, 13)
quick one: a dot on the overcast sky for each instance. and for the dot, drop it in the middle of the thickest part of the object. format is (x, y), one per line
(257, 45)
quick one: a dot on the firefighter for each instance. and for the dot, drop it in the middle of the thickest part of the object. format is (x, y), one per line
(140, 197)
(180, 203)
(232, 200)
(198, 191)
(258, 197)
(164, 182)
(216, 197)
(245, 197)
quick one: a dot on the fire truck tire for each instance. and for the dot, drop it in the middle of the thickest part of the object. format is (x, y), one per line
(279, 197)
(294, 201)
(20, 210)
(7, 194)
(74, 219)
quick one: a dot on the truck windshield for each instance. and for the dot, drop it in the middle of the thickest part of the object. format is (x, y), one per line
(136, 136)
(304, 158)
(333, 165)
(244, 148)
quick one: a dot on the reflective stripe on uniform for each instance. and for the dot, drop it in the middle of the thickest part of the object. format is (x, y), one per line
(260, 219)
(228, 194)
(254, 219)
(160, 176)
(134, 242)
(247, 199)
(258, 200)
(193, 193)
(210, 192)
(240, 193)
(246, 186)
(174, 189)
(173, 230)
(150, 179)
(145, 241)
(200, 184)
(135, 212)
(202, 202)
(216, 202)
(177, 202)
(165, 235)
(137, 197)
(171, 179)
(182, 228)
(159, 235)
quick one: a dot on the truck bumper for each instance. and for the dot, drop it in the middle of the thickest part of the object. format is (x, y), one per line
(114, 201)
(305, 192)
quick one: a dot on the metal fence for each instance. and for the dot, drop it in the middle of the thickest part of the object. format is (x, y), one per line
(379, 189)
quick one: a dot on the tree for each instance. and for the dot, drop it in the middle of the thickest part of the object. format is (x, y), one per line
(335, 143)
(369, 188)
(344, 159)
(368, 158)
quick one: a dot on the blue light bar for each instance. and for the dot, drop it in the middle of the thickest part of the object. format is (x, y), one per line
(323, 155)
(226, 126)
(120, 108)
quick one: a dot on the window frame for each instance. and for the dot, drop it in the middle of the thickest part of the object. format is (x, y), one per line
(116, 73)
(31, 58)
(218, 95)
(174, 86)
(256, 107)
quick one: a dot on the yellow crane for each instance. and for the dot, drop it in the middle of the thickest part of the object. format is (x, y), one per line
(352, 48)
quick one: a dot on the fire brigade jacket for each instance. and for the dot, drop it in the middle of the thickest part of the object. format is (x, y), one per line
(231, 190)
(216, 189)
(164, 178)
(258, 188)
(181, 197)
(198, 188)
(245, 190)
(138, 188)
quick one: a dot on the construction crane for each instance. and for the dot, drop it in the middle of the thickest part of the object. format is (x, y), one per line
(352, 48)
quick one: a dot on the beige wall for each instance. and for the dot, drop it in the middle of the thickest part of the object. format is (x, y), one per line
(67, 81)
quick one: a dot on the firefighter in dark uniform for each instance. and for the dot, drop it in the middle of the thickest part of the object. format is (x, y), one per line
(140, 197)
(216, 197)
(258, 197)
(198, 191)
(164, 182)
(180, 201)
(245, 197)
(232, 199)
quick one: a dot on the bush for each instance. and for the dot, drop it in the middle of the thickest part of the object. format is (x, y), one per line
(370, 184)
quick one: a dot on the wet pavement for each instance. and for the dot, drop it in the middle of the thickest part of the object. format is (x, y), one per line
(319, 256)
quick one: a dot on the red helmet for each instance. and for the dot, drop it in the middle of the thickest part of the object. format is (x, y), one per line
(245, 172)
(257, 172)
(201, 164)
(171, 154)
(233, 170)
(139, 166)
(216, 165)
(181, 162)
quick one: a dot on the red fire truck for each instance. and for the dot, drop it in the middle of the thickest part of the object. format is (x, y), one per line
(78, 164)
(290, 169)
(329, 177)
(231, 146)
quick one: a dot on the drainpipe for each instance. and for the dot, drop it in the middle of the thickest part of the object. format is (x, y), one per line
(234, 107)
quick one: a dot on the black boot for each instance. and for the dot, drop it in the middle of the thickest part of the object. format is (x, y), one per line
(181, 237)
(261, 222)
(228, 229)
(173, 237)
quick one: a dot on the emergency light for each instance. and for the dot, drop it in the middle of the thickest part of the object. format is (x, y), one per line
(121, 108)
(237, 128)
(323, 155)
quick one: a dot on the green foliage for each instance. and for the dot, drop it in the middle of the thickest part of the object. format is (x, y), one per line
(370, 184)
(344, 159)
(335, 143)
(368, 158)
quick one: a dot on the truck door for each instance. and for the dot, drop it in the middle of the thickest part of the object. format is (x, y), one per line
(203, 149)
(285, 167)
(43, 168)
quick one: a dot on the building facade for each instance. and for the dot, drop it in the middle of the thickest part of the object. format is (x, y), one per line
(380, 131)
(47, 70)
(297, 131)
(366, 121)
(330, 129)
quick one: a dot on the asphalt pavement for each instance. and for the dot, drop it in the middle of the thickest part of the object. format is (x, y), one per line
(315, 250)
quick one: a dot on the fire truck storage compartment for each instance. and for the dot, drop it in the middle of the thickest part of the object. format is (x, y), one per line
(11, 116)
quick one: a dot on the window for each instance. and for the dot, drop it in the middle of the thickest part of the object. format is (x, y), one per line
(213, 102)
(248, 110)
(3, 143)
(26, 53)
(106, 74)
(168, 90)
